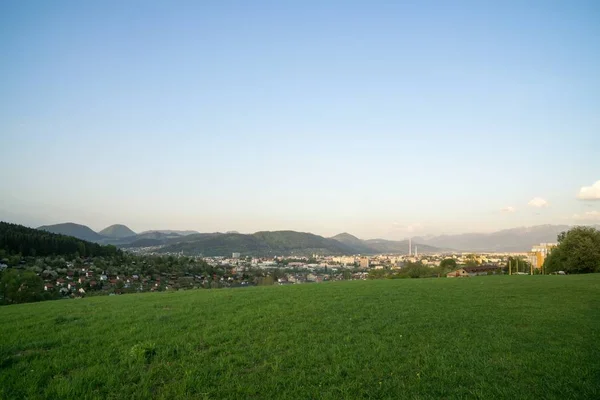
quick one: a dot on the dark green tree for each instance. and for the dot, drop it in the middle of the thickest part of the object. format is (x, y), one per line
(578, 252)
(448, 264)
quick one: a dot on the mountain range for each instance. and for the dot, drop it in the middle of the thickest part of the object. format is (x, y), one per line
(301, 243)
(507, 240)
(223, 244)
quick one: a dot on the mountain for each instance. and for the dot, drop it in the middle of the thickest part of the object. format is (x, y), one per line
(117, 231)
(381, 246)
(260, 244)
(284, 243)
(507, 240)
(143, 243)
(359, 246)
(169, 232)
(157, 238)
(70, 229)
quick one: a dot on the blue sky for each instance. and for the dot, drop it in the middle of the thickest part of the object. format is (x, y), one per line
(383, 119)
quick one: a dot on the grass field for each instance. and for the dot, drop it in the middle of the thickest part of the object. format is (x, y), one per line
(518, 337)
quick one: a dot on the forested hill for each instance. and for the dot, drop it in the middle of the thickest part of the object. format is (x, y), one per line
(18, 239)
(76, 230)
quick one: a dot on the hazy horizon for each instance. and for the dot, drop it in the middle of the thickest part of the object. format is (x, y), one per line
(381, 120)
(422, 234)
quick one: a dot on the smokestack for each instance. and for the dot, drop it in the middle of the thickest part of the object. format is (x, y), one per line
(416, 251)
(409, 247)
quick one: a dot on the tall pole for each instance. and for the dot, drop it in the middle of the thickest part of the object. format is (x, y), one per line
(530, 268)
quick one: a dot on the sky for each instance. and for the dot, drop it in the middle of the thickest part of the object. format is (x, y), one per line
(378, 118)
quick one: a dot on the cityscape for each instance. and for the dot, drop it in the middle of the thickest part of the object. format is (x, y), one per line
(150, 268)
(314, 199)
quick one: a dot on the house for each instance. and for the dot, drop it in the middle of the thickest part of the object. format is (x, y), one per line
(457, 274)
(81, 280)
(475, 271)
(48, 286)
(103, 277)
(60, 282)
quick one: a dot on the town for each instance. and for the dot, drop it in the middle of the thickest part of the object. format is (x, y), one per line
(77, 277)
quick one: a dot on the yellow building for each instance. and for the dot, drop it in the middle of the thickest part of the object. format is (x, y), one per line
(538, 254)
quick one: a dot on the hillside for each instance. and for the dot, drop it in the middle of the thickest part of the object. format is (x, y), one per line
(70, 229)
(383, 339)
(170, 232)
(142, 243)
(18, 239)
(401, 246)
(359, 246)
(379, 246)
(259, 243)
(117, 231)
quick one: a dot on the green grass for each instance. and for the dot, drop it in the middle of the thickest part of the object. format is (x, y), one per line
(489, 337)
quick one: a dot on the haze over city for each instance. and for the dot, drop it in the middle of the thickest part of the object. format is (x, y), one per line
(384, 120)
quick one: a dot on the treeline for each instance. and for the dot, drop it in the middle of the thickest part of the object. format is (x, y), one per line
(415, 270)
(18, 239)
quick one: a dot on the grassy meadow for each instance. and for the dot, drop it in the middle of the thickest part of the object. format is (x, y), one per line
(525, 337)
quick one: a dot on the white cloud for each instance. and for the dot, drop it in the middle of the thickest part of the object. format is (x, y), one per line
(590, 192)
(538, 202)
(588, 216)
(508, 209)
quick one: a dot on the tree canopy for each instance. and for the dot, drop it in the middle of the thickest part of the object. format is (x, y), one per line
(20, 287)
(18, 239)
(578, 252)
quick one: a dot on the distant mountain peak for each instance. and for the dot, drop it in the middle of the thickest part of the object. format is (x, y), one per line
(72, 229)
(117, 231)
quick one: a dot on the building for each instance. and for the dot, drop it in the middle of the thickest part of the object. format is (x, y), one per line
(475, 271)
(538, 254)
(345, 260)
(235, 255)
(364, 262)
